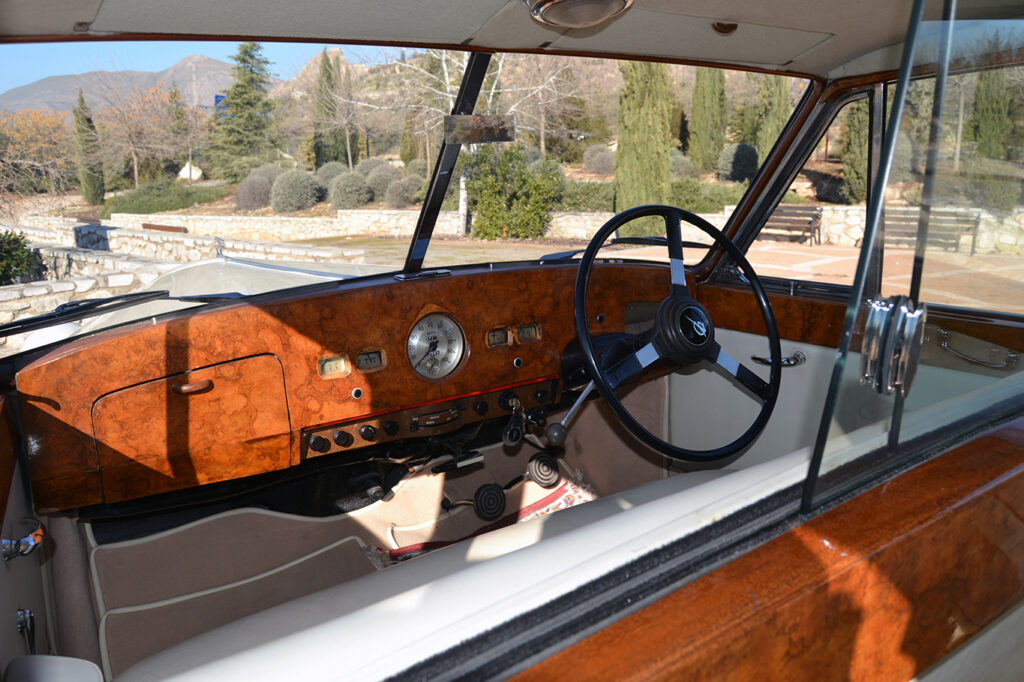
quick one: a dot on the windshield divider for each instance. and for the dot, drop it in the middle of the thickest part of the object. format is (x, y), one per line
(465, 101)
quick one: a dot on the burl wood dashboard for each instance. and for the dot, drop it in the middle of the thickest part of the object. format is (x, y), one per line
(249, 388)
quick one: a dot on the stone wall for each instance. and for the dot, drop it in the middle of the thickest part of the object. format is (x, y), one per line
(355, 223)
(35, 298)
(173, 246)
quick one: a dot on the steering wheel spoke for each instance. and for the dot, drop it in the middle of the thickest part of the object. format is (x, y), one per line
(755, 384)
(632, 365)
(674, 233)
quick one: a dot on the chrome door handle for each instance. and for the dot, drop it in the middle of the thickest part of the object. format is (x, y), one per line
(11, 548)
(797, 358)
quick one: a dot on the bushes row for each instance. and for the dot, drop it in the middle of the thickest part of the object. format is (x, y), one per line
(296, 190)
(162, 195)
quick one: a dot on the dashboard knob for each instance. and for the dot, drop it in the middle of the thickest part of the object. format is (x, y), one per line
(343, 438)
(481, 407)
(391, 427)
(319, 444)
(367, 432)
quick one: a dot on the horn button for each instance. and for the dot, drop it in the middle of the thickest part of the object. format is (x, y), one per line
(685, 332)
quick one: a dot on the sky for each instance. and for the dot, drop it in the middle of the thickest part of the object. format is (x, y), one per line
(24, 64)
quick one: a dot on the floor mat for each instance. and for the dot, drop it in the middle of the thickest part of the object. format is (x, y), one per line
(565, 495)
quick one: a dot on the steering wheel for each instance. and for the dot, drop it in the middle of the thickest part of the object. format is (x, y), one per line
(683, 334)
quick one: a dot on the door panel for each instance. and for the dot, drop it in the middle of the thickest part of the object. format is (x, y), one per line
(21, 583)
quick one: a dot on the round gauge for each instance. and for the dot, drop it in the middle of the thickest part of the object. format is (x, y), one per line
(436, 346)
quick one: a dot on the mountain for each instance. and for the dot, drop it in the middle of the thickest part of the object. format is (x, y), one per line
(59, 93)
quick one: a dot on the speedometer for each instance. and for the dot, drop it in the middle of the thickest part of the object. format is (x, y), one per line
(436, 346)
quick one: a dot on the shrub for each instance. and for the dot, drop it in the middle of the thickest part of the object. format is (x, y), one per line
(238, 168)
(270, 171)
(162, 195)
(737, 162)
(593, 197)
(349, 190)
(417, 167)
(16, 259)
(254, 192)
(329, 171)
(380, 178)
(294, 190)
(680, 164)
(367, 166)
(599, 160)
(402, 193)
(550, 168)
(510, 201)
(531, 154)
(703, 197)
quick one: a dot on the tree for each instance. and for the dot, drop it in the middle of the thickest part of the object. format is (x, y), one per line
(133, 126)
(87, 148)
(35, 154)
(642, 168)
(773, 110)
(854, 151)
(709, 109)
(329, 143)
(243, 127)
(510, 200)
(990, 122)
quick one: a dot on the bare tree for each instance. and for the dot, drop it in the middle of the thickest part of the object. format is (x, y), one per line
(136, 125)
(35, 156)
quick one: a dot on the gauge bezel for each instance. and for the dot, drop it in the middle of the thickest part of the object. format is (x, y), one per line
(461, 355)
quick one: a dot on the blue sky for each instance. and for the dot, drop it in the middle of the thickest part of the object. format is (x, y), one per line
(23, 64)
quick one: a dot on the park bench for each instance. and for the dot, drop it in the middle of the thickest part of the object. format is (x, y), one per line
(802, 222)
(946, 226)
(164, 228)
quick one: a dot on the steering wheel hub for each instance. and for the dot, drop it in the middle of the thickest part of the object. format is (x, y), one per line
(684, 330)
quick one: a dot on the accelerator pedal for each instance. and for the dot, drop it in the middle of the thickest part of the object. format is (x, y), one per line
(543, 470)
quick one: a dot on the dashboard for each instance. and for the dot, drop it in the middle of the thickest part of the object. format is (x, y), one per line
(339, 371)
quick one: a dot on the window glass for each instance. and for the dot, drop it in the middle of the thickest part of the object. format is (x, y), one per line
(814, 234)
(951, 229)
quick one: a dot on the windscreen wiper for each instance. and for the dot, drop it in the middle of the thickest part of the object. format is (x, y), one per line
(637, 241)
(79, 310)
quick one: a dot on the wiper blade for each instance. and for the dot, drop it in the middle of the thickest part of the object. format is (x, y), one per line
(79, 310)
(636, 241)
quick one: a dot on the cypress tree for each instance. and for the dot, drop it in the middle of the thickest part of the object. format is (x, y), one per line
(243, 127)
(709, 117)
(854, 151)
(990, 122)
(328, 139)
(87, 147)
(642, 169)
(772, 114)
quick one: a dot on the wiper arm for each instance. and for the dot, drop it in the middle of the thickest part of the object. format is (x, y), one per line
(79, 310)
(637, 241)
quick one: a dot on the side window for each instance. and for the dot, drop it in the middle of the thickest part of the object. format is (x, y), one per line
(814, 234)
(974, 213)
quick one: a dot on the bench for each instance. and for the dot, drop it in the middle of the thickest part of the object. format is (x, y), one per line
(803, 222)
(946, 226)
(164, 228)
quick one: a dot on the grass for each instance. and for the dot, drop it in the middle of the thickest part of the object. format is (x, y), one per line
(162, 195)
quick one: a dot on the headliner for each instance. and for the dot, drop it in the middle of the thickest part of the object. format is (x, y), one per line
(827, 38)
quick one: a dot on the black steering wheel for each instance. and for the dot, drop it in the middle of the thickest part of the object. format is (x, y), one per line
(682, 333)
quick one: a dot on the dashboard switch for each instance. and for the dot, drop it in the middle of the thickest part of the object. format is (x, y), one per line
(343, 438)
(541, 396)
(319, 444)
(391, 427)
(481, 407)
(368, 433)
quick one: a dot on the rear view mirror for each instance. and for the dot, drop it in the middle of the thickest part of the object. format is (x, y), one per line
(475, 129)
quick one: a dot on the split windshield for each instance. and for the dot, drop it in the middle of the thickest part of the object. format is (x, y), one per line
(320, 158)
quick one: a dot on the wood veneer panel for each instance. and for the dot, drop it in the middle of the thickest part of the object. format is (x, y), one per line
(806, 320)
(233, 424)
(879, 588)
(58, 390)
